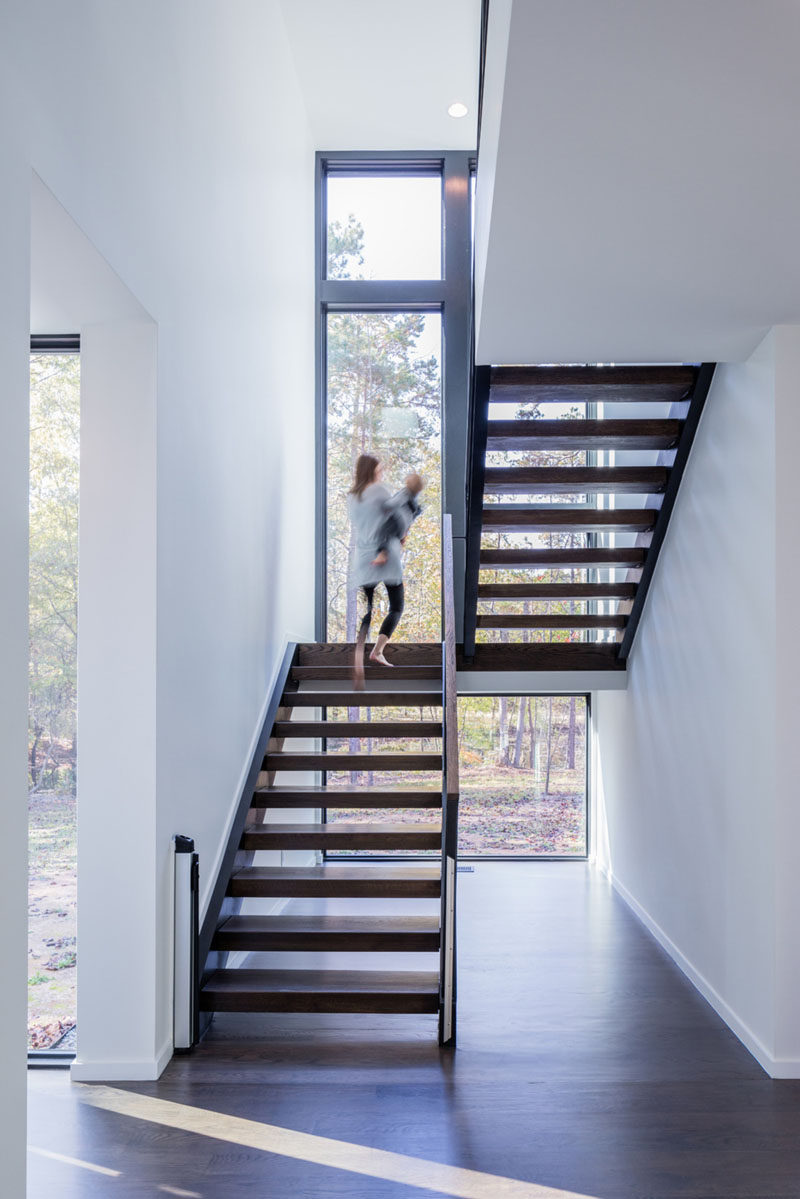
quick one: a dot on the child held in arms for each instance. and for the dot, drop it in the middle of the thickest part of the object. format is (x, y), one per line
(400, 519)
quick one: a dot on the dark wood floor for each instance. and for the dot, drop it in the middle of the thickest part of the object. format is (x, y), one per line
(586, 1064)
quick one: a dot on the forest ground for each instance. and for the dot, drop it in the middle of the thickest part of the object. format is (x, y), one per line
(52, 917)
(502, 811)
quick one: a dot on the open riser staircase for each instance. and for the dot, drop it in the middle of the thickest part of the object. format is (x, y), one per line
(413, 901)
(598, 481)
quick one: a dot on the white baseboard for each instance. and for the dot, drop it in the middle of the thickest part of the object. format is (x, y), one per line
(775, 1067)
(144, 1070)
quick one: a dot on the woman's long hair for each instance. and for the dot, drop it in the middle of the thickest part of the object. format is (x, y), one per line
(366, 466)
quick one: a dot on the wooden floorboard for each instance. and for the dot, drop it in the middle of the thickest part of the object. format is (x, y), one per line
(586, 1063)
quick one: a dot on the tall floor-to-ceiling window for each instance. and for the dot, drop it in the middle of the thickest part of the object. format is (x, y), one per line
(393, 335)
(52, 745)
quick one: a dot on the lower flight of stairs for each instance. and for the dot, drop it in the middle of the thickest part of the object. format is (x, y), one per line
(319, 684)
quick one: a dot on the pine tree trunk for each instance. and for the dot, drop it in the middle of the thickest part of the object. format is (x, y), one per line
(571, 735)
(503, 731)
(34, 764)
(549, 744)
(532, 731)
(520, 732)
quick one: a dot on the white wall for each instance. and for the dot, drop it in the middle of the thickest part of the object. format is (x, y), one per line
(14, 388)
(118, 850)
(181, 149)
(696, 765)
(787, 705)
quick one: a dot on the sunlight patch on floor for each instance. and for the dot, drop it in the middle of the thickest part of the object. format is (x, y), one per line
(73, 1161)
(322, 1151)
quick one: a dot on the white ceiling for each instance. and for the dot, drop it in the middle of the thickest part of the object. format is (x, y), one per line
(380, 74)
(639, 182)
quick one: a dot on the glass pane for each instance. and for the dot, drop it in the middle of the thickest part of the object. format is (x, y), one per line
(384, 398)
(561, 608)
(522, 776)
(53, 600)
(384, 227)
(412, 780)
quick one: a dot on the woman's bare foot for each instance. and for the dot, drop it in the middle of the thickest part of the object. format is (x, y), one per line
(376, 654)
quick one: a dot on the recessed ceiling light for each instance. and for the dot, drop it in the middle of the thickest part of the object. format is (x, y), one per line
(458, 109)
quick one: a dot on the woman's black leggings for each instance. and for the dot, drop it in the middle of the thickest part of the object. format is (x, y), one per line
(396, 603)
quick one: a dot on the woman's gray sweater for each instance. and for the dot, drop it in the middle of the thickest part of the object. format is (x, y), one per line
(367, 514)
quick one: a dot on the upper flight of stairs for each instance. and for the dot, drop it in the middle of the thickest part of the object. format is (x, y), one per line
(406, 704)
(594, 489)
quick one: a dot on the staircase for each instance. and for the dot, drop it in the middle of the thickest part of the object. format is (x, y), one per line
(315, 701)
(594, 493)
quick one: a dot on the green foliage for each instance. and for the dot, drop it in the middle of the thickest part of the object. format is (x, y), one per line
(54, 465)
(384, 398)
(345, 245)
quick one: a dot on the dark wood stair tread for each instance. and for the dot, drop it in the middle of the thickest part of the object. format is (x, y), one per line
(548, 655)
(320, 991)
(546, 591)
(574, 620)
(404, 934)
(345, 797)
(578, 434)
(543, 559)
(399, 653)
(573, 480)
(309, 760)
(531, 519)
(348, 881)
(581, 384)
(343, 835)
(410, 673)
(363, 699)
(357, 728)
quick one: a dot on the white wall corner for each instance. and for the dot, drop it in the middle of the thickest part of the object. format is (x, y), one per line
(142, 1070)
(774, 1067)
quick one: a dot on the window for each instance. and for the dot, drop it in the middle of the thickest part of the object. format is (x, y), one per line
(561, 539)
(393, 336)
(523, 776)
(386, 226)
(384, 398)
(52, 746)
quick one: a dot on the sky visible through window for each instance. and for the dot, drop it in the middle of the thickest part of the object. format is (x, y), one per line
(401, 220)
